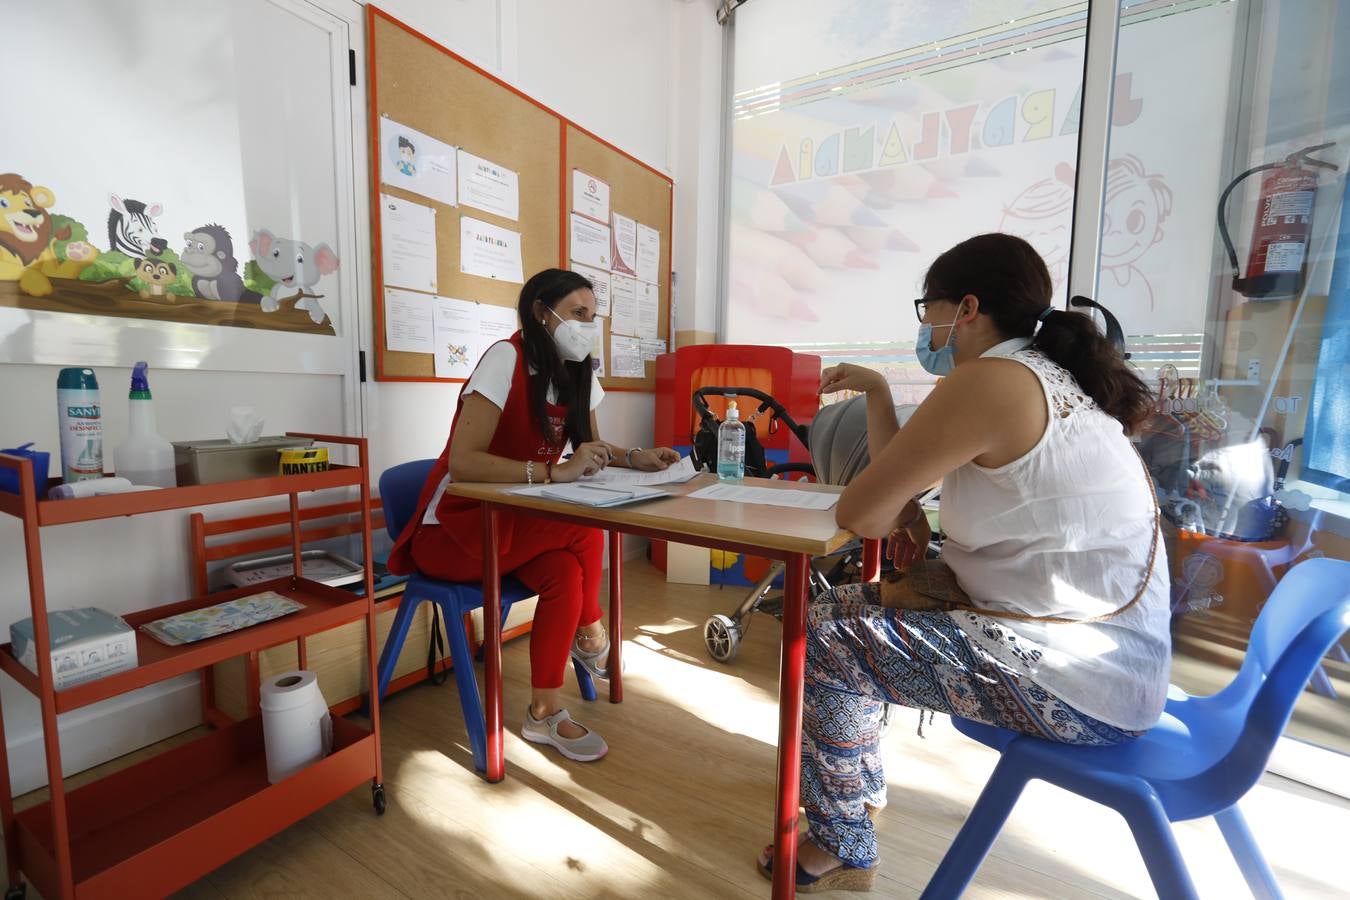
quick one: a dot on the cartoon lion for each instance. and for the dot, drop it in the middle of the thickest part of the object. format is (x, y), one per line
(25, 234)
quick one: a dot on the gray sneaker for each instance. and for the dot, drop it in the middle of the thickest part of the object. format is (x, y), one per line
(587, 748)
(590, 659)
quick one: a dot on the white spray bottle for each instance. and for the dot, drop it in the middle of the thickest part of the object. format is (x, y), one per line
(144, 458)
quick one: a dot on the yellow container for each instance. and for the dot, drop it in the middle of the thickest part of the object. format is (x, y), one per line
(302, 460)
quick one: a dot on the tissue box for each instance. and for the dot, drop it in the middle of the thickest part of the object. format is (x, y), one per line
(211, 462)
(87, 644)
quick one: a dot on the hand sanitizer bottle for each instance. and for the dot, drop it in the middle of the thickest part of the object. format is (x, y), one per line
(144, 458)
(731, 446)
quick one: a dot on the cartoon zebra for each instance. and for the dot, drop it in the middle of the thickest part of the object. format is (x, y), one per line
(131, 228)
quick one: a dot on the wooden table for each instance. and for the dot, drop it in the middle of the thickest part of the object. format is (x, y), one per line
(777, 532)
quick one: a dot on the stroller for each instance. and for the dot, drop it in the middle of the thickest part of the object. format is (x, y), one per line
(837, 441)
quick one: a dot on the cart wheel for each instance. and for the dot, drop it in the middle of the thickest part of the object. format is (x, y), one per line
(722, 636)
(16, 891)
(377, 795)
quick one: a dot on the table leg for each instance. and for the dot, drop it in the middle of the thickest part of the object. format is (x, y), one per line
(790, 685)
(871, 560)
(492, 647)
(615, 661)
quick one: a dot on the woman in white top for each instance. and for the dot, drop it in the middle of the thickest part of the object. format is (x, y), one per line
(1049, 611)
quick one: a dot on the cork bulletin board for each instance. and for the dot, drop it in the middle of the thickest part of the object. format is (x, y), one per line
(421, 85)
(641, 193)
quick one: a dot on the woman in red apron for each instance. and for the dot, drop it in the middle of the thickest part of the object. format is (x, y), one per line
(527, 398)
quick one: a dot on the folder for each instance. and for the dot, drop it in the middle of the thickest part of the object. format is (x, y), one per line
(599, 494)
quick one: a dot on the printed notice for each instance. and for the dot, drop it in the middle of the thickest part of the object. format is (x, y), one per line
(599, 280)
(489, 251)
(590, 196)
(589, 242)
(408, 323)
(623, 303)
(495, 323)
(625, 357)
(456, 337)
(417, 162)
(623, 245)
(408, 236)
(487, 186)
(598, 350)
(648, 307)
(648, 253)
(652, 349)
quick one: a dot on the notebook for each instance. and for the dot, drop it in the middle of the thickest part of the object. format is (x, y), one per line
(599, 495)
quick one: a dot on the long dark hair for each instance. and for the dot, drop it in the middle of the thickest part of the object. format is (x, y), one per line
(1013, 285)
(571, 381)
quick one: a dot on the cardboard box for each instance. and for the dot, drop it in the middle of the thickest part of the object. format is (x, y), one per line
(87, 644)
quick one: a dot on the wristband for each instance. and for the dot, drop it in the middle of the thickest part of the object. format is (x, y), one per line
(629, 456)
(548, 471)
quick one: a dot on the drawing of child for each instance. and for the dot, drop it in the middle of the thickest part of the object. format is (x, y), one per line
(1137, 204)
(1042, 216)
(407, 157)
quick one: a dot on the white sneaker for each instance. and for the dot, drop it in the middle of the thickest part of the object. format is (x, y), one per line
(587, 748)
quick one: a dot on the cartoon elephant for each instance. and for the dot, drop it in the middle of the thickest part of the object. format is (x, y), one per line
(294, 266)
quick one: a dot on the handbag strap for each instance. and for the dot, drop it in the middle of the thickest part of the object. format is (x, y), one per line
(1070, 620)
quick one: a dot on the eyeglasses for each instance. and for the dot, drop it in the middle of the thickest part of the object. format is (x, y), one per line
(921, 306)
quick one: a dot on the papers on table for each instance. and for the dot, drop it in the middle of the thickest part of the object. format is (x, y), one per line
(417, 162)
(648, 305)
(599, 280)
(648, 253)
(408, 237)
(589, 242)
(487, 186)
(679, 473)
(590, 196)
(489, 251)
(625, 357)
(623, 305)
(740, 493)
(624, 245)
(409, 324)
(599, 495)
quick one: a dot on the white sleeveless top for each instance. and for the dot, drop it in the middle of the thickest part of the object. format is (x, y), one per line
(1065, 530)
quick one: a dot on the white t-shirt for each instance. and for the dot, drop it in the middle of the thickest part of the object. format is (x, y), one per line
(492, 379)
(1065, 530)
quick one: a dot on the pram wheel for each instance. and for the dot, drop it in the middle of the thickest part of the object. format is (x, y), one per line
(722, 636)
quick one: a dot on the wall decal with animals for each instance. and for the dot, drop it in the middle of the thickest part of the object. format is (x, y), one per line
(48, 262)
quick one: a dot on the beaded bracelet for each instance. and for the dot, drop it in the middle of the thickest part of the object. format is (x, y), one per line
(529, 471)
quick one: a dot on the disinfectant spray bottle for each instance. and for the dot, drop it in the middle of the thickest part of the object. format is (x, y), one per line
(81, 421)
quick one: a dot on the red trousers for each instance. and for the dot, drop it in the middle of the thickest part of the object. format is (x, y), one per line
(562, 562)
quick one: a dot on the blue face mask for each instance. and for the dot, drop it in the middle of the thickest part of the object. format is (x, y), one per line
(941, 361)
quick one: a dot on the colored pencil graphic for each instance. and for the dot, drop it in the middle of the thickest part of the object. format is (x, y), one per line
(830, 249)
(825, 203)
(775, 255)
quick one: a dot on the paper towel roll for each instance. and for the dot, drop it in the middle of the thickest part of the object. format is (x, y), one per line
(297, 728)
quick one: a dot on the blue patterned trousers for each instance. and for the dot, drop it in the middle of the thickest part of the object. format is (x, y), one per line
(861, 656)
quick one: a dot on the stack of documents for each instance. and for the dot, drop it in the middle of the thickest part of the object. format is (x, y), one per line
(599, 495)
(614, 476)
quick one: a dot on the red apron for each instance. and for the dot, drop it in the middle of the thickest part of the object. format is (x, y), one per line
(518, 436)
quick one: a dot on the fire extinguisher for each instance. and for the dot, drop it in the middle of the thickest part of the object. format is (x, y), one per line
(1277, 261)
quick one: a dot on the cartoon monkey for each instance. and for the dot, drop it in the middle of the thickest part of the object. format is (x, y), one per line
(209, 256)
(157, 275)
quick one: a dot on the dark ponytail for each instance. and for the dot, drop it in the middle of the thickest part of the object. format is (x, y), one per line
(571, 381)
(1014, 288)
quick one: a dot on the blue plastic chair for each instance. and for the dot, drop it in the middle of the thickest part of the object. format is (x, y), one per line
(1199, 760)
(399, 489)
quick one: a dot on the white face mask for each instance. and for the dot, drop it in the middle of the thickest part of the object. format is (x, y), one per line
(574, 339)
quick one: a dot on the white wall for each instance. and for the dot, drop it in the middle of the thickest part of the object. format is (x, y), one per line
(643, 74)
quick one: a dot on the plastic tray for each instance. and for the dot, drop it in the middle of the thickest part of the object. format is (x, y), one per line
(319, 565)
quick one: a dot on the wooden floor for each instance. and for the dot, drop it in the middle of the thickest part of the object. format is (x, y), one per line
(684, 800)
